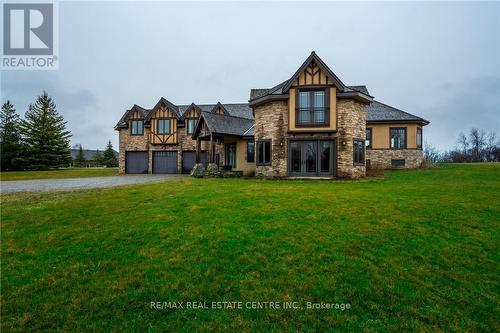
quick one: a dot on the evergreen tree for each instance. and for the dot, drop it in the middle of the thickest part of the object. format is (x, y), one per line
(98, 159)
(10, 138)
(109, 156)
(45, 136)
(80, 158)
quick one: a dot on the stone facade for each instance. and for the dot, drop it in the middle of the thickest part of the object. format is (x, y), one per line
(129, 142)
(351, 124)
(382, 157)
(271, 122)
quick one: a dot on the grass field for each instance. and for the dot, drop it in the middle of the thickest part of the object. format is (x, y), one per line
(60, 173)
(415, 251)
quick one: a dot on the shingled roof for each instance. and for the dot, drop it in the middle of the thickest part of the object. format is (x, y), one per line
(228, 125)
(362, 89)
(241, 110)
(380, 112)
(123, 120)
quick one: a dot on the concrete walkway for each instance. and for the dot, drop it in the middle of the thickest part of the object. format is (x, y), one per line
(79, 183)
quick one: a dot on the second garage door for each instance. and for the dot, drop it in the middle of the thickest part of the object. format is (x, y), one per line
(164, 162)
(189, 160)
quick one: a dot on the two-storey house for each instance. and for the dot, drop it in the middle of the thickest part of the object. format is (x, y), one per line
(310, 125)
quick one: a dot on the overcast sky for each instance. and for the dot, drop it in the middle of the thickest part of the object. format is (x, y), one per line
(440, 61)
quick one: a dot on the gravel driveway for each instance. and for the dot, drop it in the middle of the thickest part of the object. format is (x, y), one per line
(79, 183)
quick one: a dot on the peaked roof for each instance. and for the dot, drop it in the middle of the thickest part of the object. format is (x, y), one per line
(219, 105)
(314, 57)
(224, 124)
(123, 120)
(280, 91)
(380, 112)
(183, 113)
(168, 104)
(241, 110)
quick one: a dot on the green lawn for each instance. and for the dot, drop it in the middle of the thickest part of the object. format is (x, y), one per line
(60, 173)
(415, 251)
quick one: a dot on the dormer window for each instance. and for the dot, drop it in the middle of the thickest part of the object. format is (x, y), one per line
(136, 127)
(190, 125)
(164, 126)
(311, 108)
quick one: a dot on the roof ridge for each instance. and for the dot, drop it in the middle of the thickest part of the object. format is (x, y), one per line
(214, 104)
(226, 115)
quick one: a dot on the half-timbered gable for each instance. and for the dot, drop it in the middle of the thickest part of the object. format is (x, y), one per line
(135, 114)
(220, 109)
(190, 118)
(312, 103)
(163, 122)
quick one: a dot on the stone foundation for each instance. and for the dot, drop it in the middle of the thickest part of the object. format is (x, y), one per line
(382, 157)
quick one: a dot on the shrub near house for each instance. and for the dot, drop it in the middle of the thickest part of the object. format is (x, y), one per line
(310, 125)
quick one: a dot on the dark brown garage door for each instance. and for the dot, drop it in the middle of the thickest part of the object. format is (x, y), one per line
(189, 160)
(164, 162)
(136, 162)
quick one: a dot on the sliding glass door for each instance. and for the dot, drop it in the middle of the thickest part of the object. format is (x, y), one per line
(311, 158)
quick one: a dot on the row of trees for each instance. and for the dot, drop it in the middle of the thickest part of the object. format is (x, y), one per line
(477, 146)
(37, 142)
(107, 158)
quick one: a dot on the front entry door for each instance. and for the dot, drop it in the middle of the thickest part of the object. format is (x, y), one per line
(230, 155)
(311, 158)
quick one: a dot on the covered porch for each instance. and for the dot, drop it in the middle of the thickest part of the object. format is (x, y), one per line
(231, 146)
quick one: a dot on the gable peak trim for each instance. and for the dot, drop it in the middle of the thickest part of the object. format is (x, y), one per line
(217, 106)
(314, 57)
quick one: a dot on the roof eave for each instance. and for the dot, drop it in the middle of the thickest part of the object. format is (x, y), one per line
(267, 98)
(399, 121)
(356, 95)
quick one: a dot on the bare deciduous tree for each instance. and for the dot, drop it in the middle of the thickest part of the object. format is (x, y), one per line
(477, 139)
(463, 147)
(431, 154)
(492, 148)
